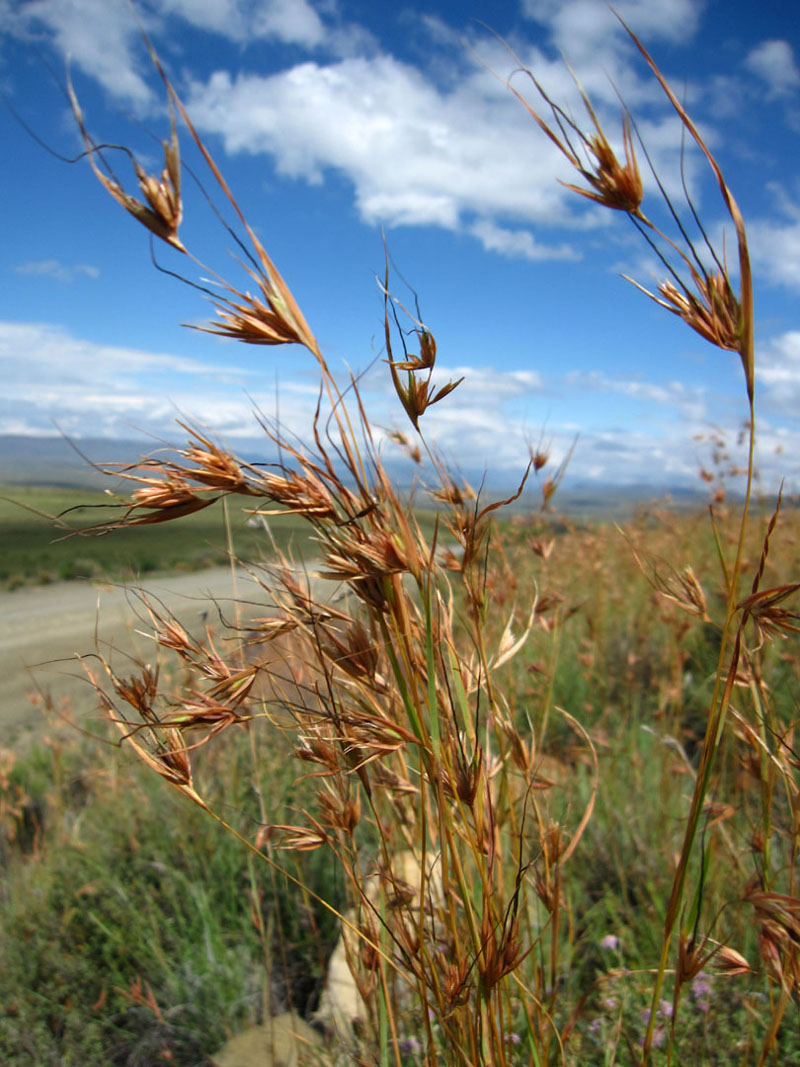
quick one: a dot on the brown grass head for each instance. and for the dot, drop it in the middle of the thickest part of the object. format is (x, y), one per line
(716, 297)
(712, 310)
(612, 183)
(412, 375)
(729, 962)
(162, 210)
(272, 318)
(778, 915)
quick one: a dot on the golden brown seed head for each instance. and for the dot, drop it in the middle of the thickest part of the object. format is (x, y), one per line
(613, 184)
(730, 962)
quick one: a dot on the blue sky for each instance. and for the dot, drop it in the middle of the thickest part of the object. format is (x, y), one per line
(333, 119)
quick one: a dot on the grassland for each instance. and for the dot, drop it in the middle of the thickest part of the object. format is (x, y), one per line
(150, 936)
(33, 551)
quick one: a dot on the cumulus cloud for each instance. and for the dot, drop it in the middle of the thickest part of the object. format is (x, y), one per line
(100, 38)
(775, 249)
(440, 142)
(773, 62)
(415, 154)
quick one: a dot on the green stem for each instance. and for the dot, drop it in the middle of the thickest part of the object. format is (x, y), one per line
(723, 685)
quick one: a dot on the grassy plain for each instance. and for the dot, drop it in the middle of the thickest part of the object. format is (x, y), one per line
(150, 936)
(33, 551)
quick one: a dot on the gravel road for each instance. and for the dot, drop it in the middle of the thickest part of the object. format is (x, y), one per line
(42, 627)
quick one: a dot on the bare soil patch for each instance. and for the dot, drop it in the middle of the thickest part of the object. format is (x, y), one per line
(43, 627)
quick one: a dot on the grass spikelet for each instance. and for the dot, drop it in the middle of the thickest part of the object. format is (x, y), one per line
(612, 184)
(162, 211)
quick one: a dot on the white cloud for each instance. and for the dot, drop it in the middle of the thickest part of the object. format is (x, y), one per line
(778, 374)
(103, 39)
(775, 248)
(773, 61)
(587, 32)
(53, 268)
(97, 390)
(518, 244)
(487, 425)
(99, 37)
(673, 397)
(288, 21)
(291, 21)
(414, 153)
(57, 353)
(781, 356)
(445, 145)
(101, 390)
(589, 19)
(438, 145)
(491, 386)
(224, 17)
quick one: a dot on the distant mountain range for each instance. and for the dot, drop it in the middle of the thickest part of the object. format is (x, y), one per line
(55, 461)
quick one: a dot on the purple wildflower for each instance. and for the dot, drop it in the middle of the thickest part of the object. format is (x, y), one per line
(701, 991)
(701, 986)
(410, 1045)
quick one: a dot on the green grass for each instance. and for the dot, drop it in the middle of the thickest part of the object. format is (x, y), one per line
(129, 922)
(33, 552)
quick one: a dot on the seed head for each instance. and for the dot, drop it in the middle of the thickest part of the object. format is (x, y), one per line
(162, 210)
(613, 184)
(730, 962)
(714, 312)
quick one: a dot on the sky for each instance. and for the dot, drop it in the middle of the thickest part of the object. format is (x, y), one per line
(339, 124)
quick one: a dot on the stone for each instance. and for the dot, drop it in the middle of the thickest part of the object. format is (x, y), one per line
(285, 1040)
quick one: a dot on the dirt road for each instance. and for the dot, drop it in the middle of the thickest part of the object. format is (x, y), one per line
(42, 627)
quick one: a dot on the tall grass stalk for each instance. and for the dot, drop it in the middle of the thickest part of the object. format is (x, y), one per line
(398, 697)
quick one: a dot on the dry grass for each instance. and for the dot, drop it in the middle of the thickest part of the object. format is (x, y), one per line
(401, 703)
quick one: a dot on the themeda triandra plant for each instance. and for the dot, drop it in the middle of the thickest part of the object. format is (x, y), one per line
(699, 288)
(394, 698)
